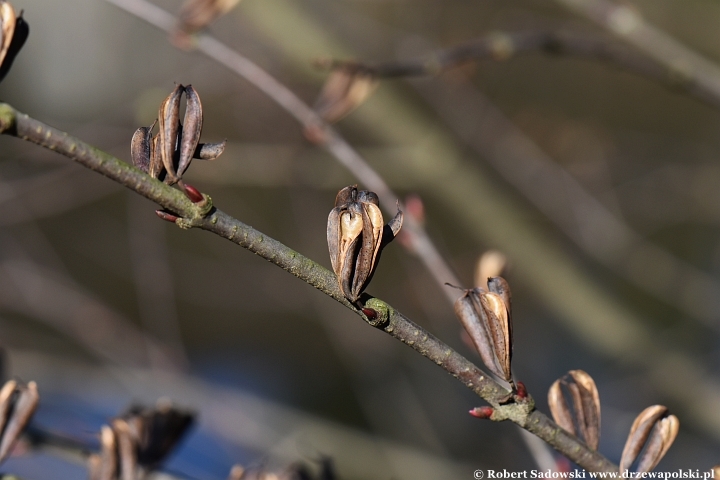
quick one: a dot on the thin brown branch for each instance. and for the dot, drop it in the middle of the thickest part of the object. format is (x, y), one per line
(503, 46)
(391, 321)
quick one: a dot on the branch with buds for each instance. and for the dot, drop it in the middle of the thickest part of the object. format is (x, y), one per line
(507, 406)
(351, 82)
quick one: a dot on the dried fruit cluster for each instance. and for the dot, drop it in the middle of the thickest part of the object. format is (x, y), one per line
(17, 406)
(654, 429)
(487, 318)
(167, 155)
(356, 234)
(138, 441)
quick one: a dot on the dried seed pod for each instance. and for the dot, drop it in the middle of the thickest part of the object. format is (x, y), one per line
(655, 429)
(141, 148)
(192, 128)
(169, 124)
(17, 406)
(105, 465)
(167, 155)
(498, 319)
(14, 31)
(127, 445)
(345, 89)
(487, 319)
(356, 234)
(157, 430)
(586, 406)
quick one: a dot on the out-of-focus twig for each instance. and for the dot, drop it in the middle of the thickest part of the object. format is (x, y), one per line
(504, 45)
(575, 211)
(689, 67)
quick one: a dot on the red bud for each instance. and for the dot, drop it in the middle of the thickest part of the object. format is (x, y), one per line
(520, 390)
(166, 215)
(482, 412)
(370, 313)
(193, 193)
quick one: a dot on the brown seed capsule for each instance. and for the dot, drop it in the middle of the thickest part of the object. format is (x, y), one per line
(141, 148)
(472, 316)
(169, 124)
(14, 32)
(355, 234)
(17, 405)
(585, 415)
(345, 89)
(127, 444)
(167, 155)
(192, 128)
(105, 465)
(655, 429)
(487, 319)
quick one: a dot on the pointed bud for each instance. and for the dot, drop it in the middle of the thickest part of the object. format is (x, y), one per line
(167, 216)
(355, 234)
(655, 429)
(345, 89)
(192, 193)
(482, 412)
(520, 390)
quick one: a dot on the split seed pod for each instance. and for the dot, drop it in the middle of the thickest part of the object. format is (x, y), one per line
(14, 32)
(104, 466)
(17, 406)
(138, 441)
(487, 319)
(356, 234)
(167, 155)
(655, 429)
(345, 89)
(584, 420)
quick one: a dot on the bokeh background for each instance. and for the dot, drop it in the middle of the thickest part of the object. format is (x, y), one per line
(600, 186)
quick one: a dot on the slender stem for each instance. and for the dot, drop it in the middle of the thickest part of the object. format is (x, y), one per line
(388, 319)
(503, 46)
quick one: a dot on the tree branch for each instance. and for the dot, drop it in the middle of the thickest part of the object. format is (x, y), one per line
(519, 411)
(502, 46)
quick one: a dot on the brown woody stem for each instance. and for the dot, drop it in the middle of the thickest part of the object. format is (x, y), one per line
(394, 323)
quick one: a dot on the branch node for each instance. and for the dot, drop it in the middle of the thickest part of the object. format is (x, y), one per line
(381, 310)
